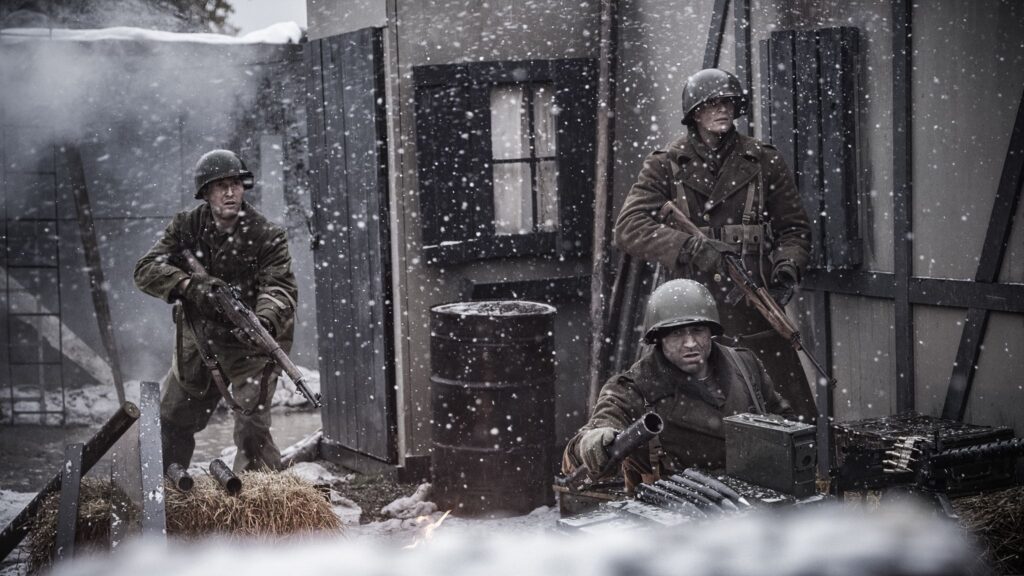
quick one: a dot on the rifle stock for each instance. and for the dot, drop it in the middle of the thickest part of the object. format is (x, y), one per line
(246, 320)
(757, 296)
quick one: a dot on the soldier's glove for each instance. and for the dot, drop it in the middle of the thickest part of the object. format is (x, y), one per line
(199, 293)
(784, 273)
(268, 325)
(784, 280)
(705, 254)
(592, 448)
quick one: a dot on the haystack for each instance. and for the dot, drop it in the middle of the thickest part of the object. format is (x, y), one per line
(269, 505)
(997, 519)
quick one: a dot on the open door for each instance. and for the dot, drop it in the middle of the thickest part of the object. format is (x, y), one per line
(348, 157)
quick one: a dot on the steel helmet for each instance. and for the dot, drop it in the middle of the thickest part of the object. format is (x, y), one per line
(217, 164)
(679, 303)
(712, 83)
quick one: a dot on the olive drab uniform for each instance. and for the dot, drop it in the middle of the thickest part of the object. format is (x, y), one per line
(744, 195)
(692, 411)
(254, 260)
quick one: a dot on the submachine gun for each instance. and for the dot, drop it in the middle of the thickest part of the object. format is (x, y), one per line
(243, 318)
(757, 296)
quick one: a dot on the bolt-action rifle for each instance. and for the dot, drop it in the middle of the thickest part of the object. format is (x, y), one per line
(757, 296)
(246, 320)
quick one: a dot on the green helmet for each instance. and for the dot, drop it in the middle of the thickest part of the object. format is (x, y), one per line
(217, 164)
(679, 303)
(712, 83)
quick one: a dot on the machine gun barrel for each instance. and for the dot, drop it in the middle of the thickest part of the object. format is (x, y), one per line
(635, 435)
(225, 477)
(179, 477)
(245, 320)
(997, 449)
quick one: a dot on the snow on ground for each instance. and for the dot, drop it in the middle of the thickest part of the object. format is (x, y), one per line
(11, 504)
(834, 540)
(899, 540)
(280, 33)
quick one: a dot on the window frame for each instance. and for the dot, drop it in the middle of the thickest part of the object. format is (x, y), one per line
(455, 166)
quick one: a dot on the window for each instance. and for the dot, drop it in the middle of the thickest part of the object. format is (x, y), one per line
(505, 158)
(524, 165)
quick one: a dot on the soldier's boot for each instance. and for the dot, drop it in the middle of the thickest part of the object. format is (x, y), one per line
(256, 447)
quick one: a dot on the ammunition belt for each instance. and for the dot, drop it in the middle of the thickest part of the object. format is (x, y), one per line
(751, 237)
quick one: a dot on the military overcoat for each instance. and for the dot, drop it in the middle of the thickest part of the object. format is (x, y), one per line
(753, 180)
(693, 434)
(254, 259)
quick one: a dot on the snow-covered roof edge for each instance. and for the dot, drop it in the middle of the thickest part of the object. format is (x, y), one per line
(280, 33)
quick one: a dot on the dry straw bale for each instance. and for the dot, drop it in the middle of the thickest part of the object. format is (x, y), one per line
(93, 531)
(997, 518)
(269, 505)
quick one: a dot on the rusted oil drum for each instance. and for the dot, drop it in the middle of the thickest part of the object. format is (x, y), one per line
(493, 397)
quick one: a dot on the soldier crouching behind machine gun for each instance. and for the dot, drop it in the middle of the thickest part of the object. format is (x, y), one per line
(688, 380)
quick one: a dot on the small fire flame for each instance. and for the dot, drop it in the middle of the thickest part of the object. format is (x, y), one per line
(428, 530)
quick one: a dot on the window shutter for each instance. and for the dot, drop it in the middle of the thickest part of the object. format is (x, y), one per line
(448, 153)
(576, 96)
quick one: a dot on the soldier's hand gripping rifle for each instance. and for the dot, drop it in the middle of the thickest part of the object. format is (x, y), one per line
(757, 296)
(246, 320)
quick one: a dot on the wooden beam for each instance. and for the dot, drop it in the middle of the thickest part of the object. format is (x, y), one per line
(940, 292)
(715, 32)
(903, 187)
(600, 291)
(744, 64)
(968, 294)
(992, 253)
(94, 264)
(67, 511)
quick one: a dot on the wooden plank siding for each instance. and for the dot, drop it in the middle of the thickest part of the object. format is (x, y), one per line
(347, 144)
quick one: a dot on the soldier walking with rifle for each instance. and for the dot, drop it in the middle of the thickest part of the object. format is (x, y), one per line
(714, 200)
(228, 271)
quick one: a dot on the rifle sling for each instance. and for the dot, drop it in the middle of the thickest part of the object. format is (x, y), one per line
(755, 394)
(211, 363)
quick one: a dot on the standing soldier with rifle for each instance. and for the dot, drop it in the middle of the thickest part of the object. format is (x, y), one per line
(239, 253)
(741, 195)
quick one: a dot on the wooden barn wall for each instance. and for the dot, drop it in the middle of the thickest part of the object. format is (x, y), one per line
(961, 48)
(968, 83)
(968, 77)
(140, 134)
(656, 61)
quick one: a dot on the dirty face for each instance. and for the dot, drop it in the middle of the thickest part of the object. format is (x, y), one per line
(715, 115)
(225, 197)
(688, 348)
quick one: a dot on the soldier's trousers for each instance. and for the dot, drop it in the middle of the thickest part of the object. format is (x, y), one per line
(183, 414)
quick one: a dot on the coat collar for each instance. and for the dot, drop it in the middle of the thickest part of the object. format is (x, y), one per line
(243, 232)
(660, 379)
(738, 170)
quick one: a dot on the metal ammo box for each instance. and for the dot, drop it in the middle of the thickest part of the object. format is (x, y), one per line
(771, 451)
